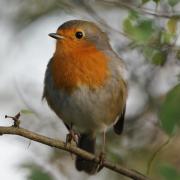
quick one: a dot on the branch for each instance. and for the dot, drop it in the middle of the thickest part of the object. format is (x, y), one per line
(70, 148)
(143, 10)
(16, 130)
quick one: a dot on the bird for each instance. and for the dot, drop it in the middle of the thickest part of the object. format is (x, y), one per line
(85, 85)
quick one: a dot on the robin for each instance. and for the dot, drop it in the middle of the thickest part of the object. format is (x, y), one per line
(85, 85)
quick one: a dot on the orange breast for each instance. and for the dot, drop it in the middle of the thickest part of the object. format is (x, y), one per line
(76, 67)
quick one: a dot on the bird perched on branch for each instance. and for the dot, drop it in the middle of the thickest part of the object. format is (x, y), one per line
(85, 85)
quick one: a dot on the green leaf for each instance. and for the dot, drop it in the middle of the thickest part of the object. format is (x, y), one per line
(166, 37)
(144, 30)
(159, 58)
(155, 56)
(139, 30)
(169, 172)
(145, 1)
(170, 111)
(148, 52)
(133, 15)
(37, 173)
(156, 1)
(127, 25)
(172, 25)
(173, 2)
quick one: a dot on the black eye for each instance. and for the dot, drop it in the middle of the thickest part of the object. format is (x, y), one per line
(79, 34)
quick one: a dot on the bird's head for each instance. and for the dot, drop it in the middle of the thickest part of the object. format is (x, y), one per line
(80, 35)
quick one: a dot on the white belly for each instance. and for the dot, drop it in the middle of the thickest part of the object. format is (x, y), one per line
(88, 110)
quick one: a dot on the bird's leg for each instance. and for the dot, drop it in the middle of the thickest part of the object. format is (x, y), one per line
(102, 153)
(72, 135)
(104, 142)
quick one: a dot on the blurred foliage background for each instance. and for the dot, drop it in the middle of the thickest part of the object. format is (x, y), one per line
(145, 33)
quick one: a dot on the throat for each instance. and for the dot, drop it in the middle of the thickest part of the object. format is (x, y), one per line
(85, 68)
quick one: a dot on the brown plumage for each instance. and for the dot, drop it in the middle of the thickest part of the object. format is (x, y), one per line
(85, 84)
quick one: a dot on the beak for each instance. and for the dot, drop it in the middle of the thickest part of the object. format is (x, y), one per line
(56, 36)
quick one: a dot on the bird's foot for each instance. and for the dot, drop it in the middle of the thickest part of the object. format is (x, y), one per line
(72, 136)
(101, 161)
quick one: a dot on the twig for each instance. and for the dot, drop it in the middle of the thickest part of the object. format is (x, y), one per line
(15, 119)
(87, 6)
(160, 148)
(72, 149)
(143, 10)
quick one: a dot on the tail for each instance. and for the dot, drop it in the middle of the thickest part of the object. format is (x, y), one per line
(87, 143)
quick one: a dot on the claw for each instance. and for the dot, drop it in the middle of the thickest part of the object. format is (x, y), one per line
(72, 136)
(101, 161)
